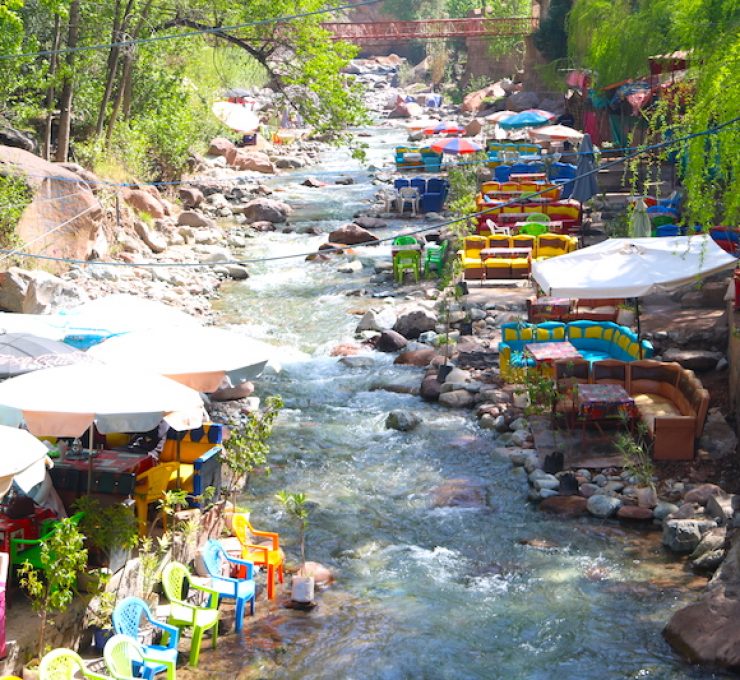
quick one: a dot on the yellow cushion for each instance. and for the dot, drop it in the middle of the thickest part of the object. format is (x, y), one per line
(608, 332)
(468, 262)
(653, 405)
(510, 334)
(558, 333)
(594, 332)
(520, 263)
(575, 332)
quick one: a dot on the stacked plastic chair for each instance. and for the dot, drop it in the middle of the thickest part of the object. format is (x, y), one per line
(64, 664)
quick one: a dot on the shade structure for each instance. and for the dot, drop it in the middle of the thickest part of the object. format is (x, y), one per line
(530, 118)
(555, 133)
(23, 352)
(66, 401)
(42, 325)
(235, 116)
(499, 116)
(585, 185)
(22, 454)
(456, 146)
(444, 128)
(94, 321)
(640, 226)
(630, 268)
(200, 358)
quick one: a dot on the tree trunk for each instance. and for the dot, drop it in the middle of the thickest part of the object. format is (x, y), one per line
(51, 90)
(65, 117)
(112, 64)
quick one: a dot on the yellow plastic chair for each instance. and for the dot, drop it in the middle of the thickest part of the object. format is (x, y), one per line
(63, 664)
(185, 614)
(264, 553)
(151, 486)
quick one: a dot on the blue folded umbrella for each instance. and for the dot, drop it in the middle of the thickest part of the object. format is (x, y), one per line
(524, 119)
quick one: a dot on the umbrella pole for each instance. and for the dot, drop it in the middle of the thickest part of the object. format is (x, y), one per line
(90, 459)
(179, 481)
(637, 318)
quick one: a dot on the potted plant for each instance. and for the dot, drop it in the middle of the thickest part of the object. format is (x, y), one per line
(246, 448)
(99, 618)
(637, 459)
(111, 531)
(302, 584)
(150, 559)
(63, 557)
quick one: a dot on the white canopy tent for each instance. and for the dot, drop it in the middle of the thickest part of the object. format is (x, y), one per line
(631, 267)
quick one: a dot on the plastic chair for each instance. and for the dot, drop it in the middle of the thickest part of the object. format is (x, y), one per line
(127, 617)
(419, 183)
(434, 259)
(241, 590)
(541, 218)
(407, 261)
(668, 230)
(64, 664)
(389, 197)
(124, 657)
(408, 195)
(502, 173)
(266, 554)
(185, 614)
(400, 183)
(533, 229)
(405, 241)
(151, 485)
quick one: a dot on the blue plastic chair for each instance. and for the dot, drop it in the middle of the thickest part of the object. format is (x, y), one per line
(239, 589)
(437, 185)
(127, 618)
(668, 230)
(400, 183)
(502, 173)
(419, 183)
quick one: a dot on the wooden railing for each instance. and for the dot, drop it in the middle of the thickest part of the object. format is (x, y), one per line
(391, 31)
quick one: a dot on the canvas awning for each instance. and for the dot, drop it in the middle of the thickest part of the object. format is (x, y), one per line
(629, 268)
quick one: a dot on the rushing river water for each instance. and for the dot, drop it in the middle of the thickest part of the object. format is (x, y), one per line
(421, 592)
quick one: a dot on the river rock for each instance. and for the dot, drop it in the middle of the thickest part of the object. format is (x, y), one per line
(693, 359)
(220, 146)
(521, 101)
(351, 235)
(263, 226)
(237, 272)
(241, 391)
(322, 575)
(519, 424)
(701, 494)
(157, 242)
(191, 197)
(460, 493)
(546, 481)
(414, 323)
(46, 292)
(351, 267)
(709, 561)
(345, 350)
(566, 506)
(718, 438)
(430, 388)
(684, 535)
(378, 320)
(635, 513)
(313, 183)
(401, 421)
(706, 632)
(143, 202)
(714, 539)
(286, 162)
(663, 509)
(367, 222)
(457, 399)
(357, 361)
(266, 210)
(722, 508)
(390, 341)
(13, 287)
(417, 357)
(190, 218)
(603, 506)
(254, 161)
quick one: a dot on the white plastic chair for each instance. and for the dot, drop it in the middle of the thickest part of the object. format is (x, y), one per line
(497, 229)
(408, 195)
(389, 197)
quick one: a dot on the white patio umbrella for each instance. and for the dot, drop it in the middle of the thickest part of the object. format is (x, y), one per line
(200, 358)
(555, 133)
(235, 116)
(66, 401)
(25, 456)
(499, 116)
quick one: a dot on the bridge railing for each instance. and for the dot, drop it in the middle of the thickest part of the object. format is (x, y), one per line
(374, 31)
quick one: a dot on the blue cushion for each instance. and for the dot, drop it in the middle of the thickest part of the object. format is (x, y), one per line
(592, 356)
(518, 360)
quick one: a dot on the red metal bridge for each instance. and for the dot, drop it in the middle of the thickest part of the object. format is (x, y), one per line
(433, 29)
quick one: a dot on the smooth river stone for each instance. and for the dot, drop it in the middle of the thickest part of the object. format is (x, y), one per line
(566, 506)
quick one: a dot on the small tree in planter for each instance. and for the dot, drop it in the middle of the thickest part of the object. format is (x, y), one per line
(110, 530)
(636, 453)
(51, 589)
(247, 447)
(295, 505)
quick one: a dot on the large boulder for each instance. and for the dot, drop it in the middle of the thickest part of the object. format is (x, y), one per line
(266, 210)
(390, 341)
(157, 242)
(377, 320)
(45, 293)
(566, 506)
(80, 212)
(460, 493)
(706, 632)
(143, 202)
(255, 161)
(220, 146)
(473, 102)
(520, 101)
(416, 357)
(406, 110)
(684, 535)
(693, 359)
(718, 438)
(13, 287)
(412, 324)
(457, 399)
(402, 421)
(190, 218)
(430, 388)
(191, 197)
(20, 140)
(351, 235)
(603, 506)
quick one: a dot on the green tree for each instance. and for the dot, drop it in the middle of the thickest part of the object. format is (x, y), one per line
(551, 38)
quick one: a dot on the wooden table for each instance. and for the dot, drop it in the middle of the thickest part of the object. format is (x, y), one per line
(525, 176)
(602, 403)
(505, 252)
(547, 352)
(549, 309)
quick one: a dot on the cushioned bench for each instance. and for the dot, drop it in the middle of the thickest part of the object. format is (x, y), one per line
(595, 340)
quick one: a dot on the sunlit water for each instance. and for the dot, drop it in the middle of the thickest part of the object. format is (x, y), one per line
(421, 592)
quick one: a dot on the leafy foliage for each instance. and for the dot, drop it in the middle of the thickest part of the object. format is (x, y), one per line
(15, 195)
(248, 446)
(635, 449)
(107, 528)
(295, 505)
(52, 588)
(551, 38)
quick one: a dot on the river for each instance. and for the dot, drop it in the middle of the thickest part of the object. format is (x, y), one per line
(420, 592)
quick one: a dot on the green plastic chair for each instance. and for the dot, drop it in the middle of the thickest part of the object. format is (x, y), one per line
(64, 664)
(406, 261)
(533, 229)
(184, 614)
(541, 218)
(434, 259)
(405, 241)
(32, 553)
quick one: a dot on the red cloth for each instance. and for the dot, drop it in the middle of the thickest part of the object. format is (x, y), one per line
(591, 126)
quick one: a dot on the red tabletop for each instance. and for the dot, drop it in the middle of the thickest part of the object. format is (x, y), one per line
(108, 461)
(24, 527)
(552, 351)
(601, 400)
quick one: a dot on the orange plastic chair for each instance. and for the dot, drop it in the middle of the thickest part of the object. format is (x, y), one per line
(263, 554)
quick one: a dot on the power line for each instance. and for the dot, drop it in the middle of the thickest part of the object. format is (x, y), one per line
(190, 34)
